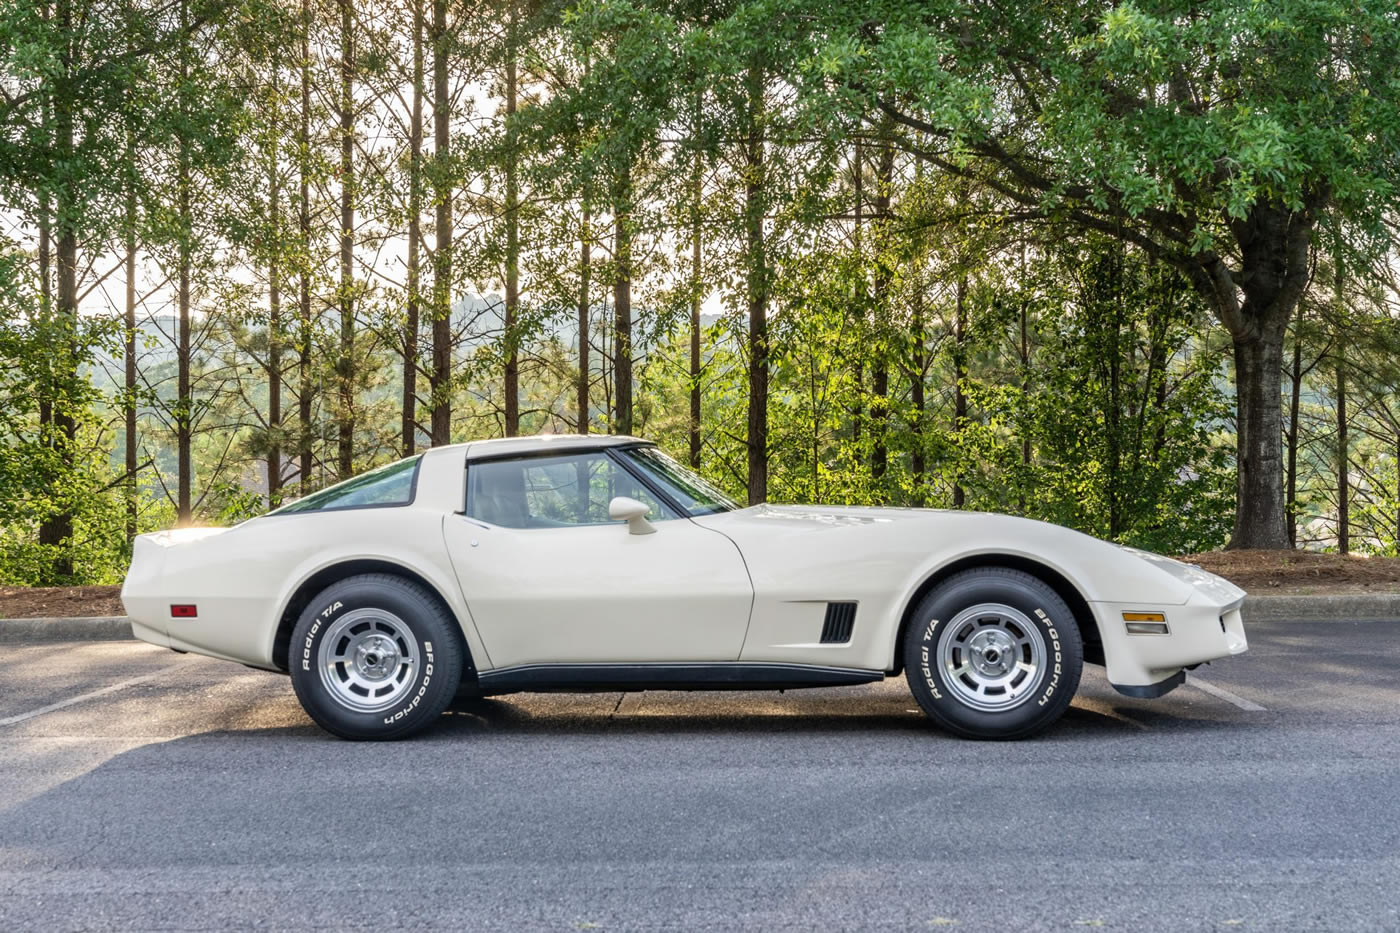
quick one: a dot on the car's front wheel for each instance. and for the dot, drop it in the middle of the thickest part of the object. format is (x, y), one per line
(993, 653)
(375, 657)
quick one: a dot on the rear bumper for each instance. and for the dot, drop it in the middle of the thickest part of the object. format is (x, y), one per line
(234, 621)
(148, 634)
(142, 597)
(1201, 629)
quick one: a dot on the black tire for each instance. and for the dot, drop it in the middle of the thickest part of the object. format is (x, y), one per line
(392, 638)
(999, 603)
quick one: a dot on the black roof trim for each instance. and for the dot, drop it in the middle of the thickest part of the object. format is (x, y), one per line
(547, 451)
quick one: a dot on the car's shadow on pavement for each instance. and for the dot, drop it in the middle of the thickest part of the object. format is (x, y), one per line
(503, 718)
(897, 716)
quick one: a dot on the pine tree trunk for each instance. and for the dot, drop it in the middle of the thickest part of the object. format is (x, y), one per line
(305, 340)
(622, 308)
(1294, 403)
(56, 529)
(1115, 402)
(408, 413)
(1024, 356)
(441, 378)
(45, 268)
(345, 414)
(1343, 453)
(129, 383)
(50, 529)
(1343, 462)
(880, 378)
(585, 269)
(960, 379)
(184, 404)
(756, 281)
(696, 246)
(512, 340)
(858, 306)
(605, 366)
(918, 366)
(274, 321)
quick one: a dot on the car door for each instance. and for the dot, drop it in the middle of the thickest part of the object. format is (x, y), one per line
(550, 578)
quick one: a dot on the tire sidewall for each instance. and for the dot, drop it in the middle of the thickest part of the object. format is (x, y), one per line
(435, 681)
(1045, 610)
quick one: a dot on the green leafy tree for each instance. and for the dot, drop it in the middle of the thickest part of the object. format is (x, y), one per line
(1227, 139)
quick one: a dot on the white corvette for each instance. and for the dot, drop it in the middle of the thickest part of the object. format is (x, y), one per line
(598, 563)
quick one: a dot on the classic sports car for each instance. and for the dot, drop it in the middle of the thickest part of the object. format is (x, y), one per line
(599, 563)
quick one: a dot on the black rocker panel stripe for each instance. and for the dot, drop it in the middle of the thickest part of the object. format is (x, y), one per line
(723, 675)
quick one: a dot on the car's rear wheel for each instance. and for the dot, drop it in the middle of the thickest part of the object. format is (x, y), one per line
(993, 653)
(375, 657)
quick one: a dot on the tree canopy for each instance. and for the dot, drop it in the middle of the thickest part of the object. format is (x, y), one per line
(1123, 266)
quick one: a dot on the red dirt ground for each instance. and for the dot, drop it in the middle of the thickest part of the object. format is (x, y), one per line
(22, 602)
(1302, 572)
(1259, 572)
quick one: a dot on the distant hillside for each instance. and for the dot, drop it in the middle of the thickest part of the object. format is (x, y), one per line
(480, 319)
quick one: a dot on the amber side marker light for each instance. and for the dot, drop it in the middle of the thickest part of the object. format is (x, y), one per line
(184, 612)
(1145, 623)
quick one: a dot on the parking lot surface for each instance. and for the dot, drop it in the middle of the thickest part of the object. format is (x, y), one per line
(155, 791)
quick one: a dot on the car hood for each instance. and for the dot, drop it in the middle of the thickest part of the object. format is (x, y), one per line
(1217, 589)
(925, 539)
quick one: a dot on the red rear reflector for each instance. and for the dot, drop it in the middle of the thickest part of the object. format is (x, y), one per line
(183, 612)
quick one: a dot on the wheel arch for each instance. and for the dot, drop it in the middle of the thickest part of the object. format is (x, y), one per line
(1063, 587)
(343, 570)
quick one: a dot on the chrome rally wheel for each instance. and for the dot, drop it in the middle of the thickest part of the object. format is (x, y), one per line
(368, 660)
(993, 653)
(992, 656)
(376, 656)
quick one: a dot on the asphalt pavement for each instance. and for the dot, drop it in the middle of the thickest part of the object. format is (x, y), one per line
(142, 789)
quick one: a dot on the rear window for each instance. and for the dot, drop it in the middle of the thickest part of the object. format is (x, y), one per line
(387, 486)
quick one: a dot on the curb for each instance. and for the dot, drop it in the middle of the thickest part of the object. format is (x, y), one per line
(1347, 607)
(87, 628)
(1351, 607)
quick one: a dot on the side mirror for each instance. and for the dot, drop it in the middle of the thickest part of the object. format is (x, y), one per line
(634, 513)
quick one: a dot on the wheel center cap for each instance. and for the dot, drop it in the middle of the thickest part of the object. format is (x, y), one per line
(992, 653)
(377, 657)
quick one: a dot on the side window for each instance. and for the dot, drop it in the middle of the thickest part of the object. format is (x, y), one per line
(388, 485)
(553, 492)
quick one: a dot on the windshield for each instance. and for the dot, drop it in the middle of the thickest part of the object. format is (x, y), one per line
(694, 493)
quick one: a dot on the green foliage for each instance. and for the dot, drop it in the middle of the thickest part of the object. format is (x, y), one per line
(1129, 416)
(1204, 108)
(1122, 409)
(42, 471)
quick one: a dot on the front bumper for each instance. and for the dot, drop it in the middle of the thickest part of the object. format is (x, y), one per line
(1201, 629)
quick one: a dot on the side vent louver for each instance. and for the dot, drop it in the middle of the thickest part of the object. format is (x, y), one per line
(840, 619)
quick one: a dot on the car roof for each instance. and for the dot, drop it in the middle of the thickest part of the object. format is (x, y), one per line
(545, 444)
